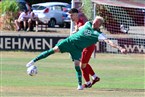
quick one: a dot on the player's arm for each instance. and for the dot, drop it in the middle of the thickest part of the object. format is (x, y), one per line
(122, 50)
(105, 39)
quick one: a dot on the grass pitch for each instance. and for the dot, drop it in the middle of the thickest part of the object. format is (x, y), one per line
(121, 76)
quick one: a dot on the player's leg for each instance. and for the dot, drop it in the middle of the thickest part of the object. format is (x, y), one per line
(89, 52)
(75, 54)
(85, 72)
(60, 47)
(43, 55)
(92, 73)
(78, 74)
(86, 68)
(86, 54)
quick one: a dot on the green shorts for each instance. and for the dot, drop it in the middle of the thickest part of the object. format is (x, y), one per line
(66, 46)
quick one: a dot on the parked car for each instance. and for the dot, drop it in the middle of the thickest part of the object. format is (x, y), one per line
(67, 19)
(50, 12)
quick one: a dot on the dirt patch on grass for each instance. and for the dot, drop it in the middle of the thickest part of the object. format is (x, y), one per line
(69, 92)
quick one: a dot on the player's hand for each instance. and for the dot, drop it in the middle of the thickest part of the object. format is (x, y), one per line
(123, 50)
(73, 32)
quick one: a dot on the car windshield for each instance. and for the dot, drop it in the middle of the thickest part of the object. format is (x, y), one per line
(68, 6)
(37, 7)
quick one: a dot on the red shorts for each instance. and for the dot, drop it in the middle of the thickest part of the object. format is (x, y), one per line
(86, 54)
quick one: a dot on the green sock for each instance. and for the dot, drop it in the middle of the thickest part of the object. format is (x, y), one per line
(43, 55)
(78, 74)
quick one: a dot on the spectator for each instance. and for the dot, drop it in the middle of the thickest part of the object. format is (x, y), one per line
(33, 19)
(23, 17)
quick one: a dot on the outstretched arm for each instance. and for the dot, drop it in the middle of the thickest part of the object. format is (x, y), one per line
(122, 50)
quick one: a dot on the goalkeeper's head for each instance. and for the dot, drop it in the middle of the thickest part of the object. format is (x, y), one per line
(97, 22)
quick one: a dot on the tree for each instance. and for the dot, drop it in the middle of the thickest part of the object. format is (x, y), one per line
(87, 9)
(8, 11)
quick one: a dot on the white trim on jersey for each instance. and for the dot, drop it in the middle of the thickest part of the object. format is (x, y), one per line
(102, 36)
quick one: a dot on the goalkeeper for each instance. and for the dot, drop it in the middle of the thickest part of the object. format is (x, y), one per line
(88, 34)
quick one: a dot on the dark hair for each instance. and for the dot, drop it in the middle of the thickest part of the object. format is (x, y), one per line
(25, 10)
(73, 10)
(31, 9)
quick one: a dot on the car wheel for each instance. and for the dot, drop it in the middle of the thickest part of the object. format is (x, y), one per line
(52, 23)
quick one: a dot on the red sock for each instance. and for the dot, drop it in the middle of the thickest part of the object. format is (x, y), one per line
(91, 71)
(85, 72)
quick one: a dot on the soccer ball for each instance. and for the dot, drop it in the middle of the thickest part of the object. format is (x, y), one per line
(32, 70)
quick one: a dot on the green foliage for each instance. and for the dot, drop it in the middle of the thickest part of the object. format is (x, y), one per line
(0, 8)
(8, 6)
(87, 9)
(8, 11)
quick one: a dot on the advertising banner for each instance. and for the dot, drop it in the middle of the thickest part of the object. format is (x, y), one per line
(41, 43)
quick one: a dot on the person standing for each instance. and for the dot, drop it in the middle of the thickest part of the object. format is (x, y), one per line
(87, 52)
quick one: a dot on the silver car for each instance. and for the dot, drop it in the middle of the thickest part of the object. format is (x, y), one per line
(50, 13)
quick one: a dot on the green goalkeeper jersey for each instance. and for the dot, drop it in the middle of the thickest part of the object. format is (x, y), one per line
(85, 37)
